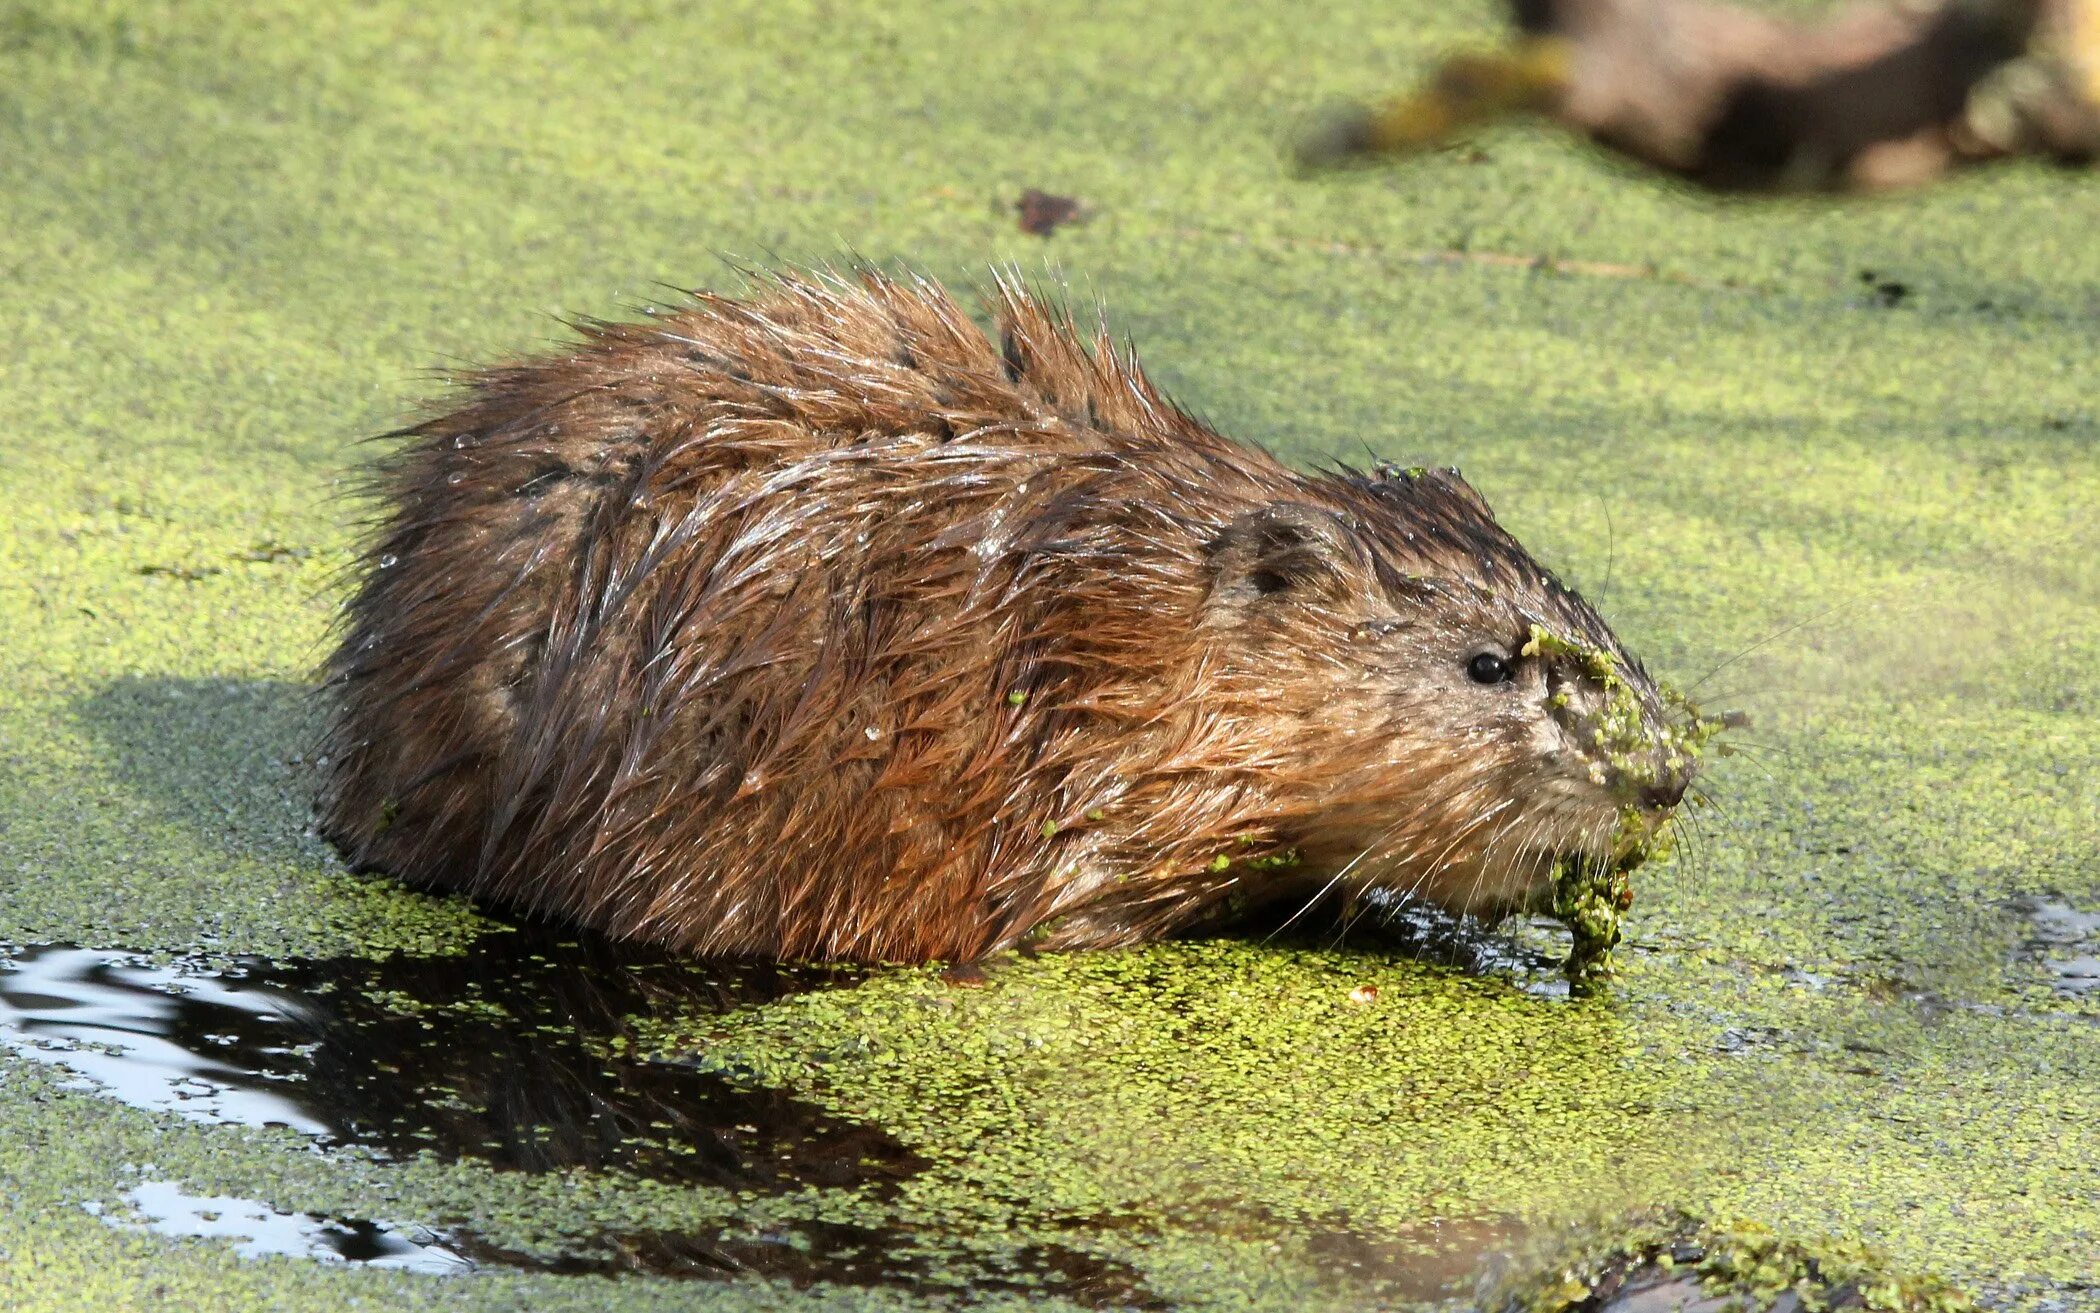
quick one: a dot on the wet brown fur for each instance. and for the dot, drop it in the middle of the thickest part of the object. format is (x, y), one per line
(821, 624)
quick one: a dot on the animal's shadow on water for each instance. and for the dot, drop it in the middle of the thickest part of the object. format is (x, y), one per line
(520, 1052)
(515, 1054)
(224, 759)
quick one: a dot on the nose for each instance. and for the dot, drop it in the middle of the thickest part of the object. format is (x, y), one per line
(1666, 792)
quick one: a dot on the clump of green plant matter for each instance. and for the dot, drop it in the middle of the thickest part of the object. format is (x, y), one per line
(1672, 1258)
(1590, 899)
(1637, 749)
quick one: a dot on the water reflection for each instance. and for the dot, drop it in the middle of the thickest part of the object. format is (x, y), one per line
(167, 1209)
(803, 1255)
(839, 1253)
(2066, 943)
(514, 1054)
(517, 1054)
(510, 1054)
(1527, 951)
(159, 1037)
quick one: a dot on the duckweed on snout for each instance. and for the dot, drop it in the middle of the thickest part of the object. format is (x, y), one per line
(1590, 897)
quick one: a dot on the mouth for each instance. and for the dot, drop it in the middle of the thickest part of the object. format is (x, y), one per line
(1580, 877)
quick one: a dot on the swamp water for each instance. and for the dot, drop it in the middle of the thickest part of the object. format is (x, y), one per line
(520, 1054)
(2064, 942)
(524, 1054)
(511, 1054)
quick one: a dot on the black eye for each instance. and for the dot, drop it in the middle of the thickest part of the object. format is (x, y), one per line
(1488, 668)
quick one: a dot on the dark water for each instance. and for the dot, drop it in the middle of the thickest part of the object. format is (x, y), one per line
(835, 1253)
(843, 1254)
(510, 1054)
(517, 1054)
(507, 1054)
(1525, 951)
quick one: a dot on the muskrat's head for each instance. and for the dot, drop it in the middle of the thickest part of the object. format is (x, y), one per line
(1453, 721)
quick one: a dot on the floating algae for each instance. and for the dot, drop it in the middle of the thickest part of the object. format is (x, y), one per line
(1673, 1261)
(1635, 748)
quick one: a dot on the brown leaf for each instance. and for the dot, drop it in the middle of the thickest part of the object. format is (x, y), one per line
(1042, 213)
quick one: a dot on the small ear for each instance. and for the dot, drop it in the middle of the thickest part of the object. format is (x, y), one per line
(1283, 549)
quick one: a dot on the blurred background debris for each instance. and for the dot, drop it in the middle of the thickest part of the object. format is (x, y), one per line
(1874, 97)
(1042, 213)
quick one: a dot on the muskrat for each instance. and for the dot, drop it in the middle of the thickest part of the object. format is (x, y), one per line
(820, 624)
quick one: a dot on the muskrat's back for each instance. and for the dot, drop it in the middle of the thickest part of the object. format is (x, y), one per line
(822, 624)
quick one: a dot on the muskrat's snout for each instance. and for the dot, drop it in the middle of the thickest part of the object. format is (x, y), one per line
(1637, 742)
(1616, 754)
(1658, 782)
(1497, 740)
(1666, 791)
